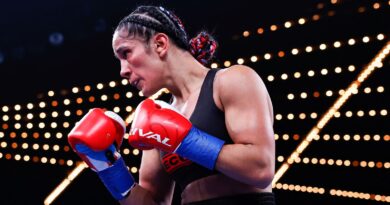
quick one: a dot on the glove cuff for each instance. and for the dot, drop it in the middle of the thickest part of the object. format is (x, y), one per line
(117, 179)
(200, 147)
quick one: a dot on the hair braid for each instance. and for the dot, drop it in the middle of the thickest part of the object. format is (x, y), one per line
(146, 20)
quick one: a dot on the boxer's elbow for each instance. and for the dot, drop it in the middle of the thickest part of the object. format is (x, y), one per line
(264, 179)
(263, 174)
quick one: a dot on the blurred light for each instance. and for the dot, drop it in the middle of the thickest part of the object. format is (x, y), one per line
(56, 38)
(41, 125)
(42, 115)
(17, 107)
(253, 59)
(260, 30)
(5, 118)
(67, 113)
(134, 170)
(69, 162)
(274, 27)
(54, 114)
(287, 24)
(2, 57)
(87, 88)
(65, 124)
(136, 152)
(129, 108)
(59, 135)
(214, 65)
(5, 108)
(54, 103)
(50, 93)
(302, 21)
(100, 86)
(124, 82)
(329, 93)
(246, 33)
(331, 13)
(56, 148)
(351, 41)
(104, 97)
(79, 100)
(227, 63)
(42, 104)
(53, 125)
(380, 37)
(129, 94)
(75, 90)
(112, 84)
(30, 106)
(316, 17)
(351, 68)
(66, 102)
(366, 39)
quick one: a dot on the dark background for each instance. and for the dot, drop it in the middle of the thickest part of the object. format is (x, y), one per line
(58, 45)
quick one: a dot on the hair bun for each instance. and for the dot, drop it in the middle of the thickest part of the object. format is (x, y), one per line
(203, 47)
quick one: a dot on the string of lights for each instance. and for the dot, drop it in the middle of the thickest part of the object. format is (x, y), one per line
(329, 93)
(337, 114)
(333, 192)
(310, 73)
(337, 137)
(307, 49)
(372, 66)
(338, 162)
(375, 6)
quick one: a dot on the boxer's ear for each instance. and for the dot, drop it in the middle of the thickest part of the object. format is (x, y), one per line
(161, 44)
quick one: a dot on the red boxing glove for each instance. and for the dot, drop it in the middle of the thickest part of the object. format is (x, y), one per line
(96, 139)
(98, 130)
(159, 127)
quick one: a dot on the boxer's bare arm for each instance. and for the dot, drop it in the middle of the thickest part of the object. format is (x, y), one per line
(155, 186)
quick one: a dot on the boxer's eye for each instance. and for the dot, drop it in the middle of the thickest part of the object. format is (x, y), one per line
(125, 54)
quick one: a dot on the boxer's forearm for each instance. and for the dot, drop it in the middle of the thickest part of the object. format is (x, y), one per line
(250, 164)
(139, 195)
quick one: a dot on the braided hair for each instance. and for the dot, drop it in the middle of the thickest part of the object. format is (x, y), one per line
(146, 21)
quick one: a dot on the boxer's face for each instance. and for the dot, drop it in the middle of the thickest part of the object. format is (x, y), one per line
(139, 63)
